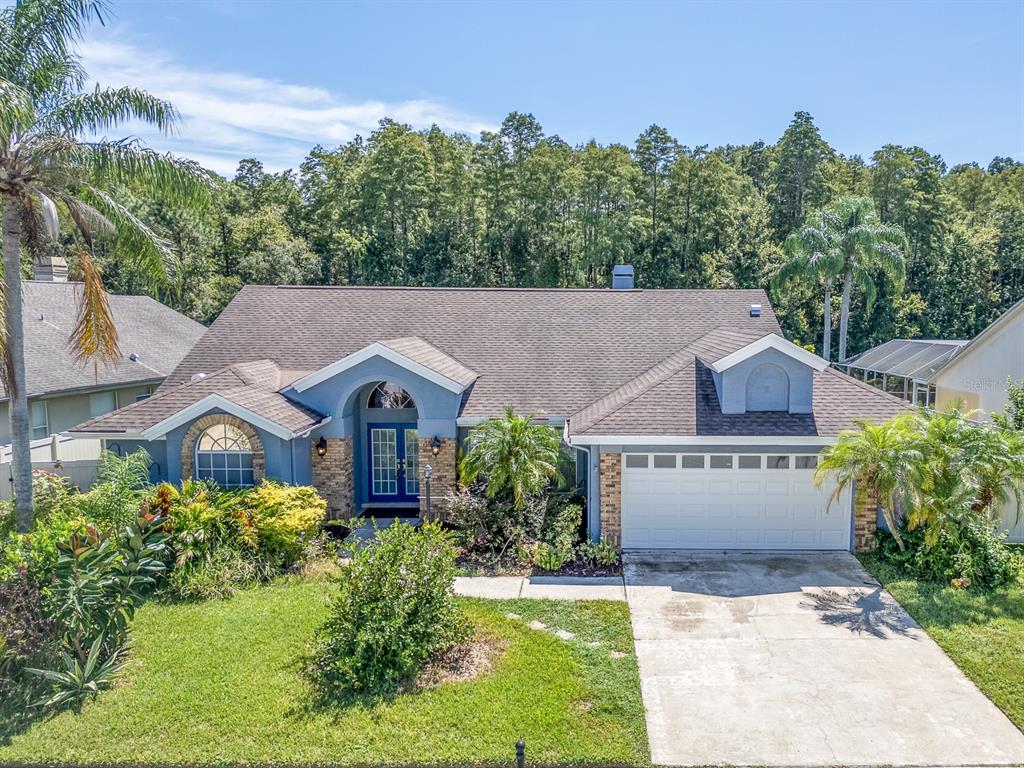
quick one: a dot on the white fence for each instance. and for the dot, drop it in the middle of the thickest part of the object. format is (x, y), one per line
(71, 457)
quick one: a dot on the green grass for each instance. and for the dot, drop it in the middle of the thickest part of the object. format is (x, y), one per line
(223, 682)
(981, 630)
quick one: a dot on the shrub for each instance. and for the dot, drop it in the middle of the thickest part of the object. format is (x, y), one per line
(27, 633)
(218, 574)
(99, 582)
(393, 611)
(562, 522)
(547, 557)
(974, 555)
(285, 518)
(598, 553)
(121, 485)
(494, 524)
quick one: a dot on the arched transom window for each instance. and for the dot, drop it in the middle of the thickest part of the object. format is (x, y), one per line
(224, 454)
(389, 395)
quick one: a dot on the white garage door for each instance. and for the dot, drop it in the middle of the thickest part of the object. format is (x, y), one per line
(729, 501)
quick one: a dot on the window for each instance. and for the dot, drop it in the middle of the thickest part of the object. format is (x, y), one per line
(806, 462)
(721, 462)
(223, 453)
(693, 462)
(636, 461)
(389, 395)
(664, 461)
(778, 462)
(750, 462)
(39, 425)
(101, 403)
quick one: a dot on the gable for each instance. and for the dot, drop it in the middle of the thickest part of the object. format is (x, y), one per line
(769, 380)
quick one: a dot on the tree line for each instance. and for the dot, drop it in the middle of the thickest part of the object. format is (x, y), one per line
(517, 207)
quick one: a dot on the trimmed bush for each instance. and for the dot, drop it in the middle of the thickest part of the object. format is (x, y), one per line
(285, 517)
(394, 610)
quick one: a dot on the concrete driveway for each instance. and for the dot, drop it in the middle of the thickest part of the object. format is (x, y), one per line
(797, 659)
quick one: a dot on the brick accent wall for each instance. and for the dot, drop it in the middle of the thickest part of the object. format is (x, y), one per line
(334, 477)
(444, 478)
(203, 423)
(865, 518)
(611, 498)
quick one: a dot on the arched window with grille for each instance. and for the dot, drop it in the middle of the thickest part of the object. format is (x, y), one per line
(224, 454)
(389, 395)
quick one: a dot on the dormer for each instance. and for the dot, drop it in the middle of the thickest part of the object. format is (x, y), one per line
(770, 374)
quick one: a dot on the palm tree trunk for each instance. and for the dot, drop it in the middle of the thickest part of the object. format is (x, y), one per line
(21, 455)
(826, 341)
(844, 314)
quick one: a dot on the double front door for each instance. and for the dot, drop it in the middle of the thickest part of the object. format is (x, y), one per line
(394, 463)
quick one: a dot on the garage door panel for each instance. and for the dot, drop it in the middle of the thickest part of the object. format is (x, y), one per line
(769, 508)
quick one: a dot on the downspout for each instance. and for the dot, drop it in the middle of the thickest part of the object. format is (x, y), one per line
(592, 521)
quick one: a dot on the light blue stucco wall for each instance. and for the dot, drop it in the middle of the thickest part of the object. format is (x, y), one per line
(732, 384)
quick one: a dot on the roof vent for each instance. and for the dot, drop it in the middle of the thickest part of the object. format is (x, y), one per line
(755, 310)
(133, 357)
(198, 377)
(622, 277)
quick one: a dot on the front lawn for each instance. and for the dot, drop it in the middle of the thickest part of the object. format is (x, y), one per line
(222, 681)
(981, 630)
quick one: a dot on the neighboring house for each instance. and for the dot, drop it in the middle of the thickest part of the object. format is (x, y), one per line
(62, 392)
(692, 421)
(938, 374)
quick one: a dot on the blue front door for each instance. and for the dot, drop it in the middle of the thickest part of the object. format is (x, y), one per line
(394, 462)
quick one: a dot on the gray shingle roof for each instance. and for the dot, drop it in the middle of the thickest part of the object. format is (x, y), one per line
(429, 356)
(678, 397)
(548, 351)
(156, 334)
(252, 385)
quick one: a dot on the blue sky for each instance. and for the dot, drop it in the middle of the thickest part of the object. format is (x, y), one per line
(271, 79)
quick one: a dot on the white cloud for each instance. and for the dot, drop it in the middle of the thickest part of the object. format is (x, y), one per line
(229, 115)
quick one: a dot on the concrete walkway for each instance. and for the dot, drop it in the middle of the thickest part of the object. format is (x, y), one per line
(541, 587)
(798, 660)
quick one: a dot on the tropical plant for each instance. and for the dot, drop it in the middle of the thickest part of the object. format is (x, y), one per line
(99, 582)
(811, 257)
(47, 168)
(516, 456)
(848, 241)
(598, 553)
(1013, 416)
(286, 517)
(79, 679)
(394, 610)
(883, 457)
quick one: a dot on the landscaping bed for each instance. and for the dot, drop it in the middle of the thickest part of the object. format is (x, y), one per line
(224, 681)
(477, 564)
(981, 630)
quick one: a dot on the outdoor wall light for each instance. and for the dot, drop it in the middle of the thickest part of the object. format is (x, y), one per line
(435, 445)
(321, 447)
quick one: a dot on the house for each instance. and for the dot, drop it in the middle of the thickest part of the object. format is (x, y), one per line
(936, 373)
(692, 421)
(62, 392)
(977, 374)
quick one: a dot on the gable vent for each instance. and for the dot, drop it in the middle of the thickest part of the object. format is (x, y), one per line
(755, 310)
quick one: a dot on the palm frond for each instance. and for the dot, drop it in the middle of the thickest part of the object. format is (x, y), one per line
(106, 108)
(17, 112)
(95, 336)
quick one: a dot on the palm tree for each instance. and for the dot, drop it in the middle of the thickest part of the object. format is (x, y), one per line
(884, 457)
(811, 256)
(846, 240)
(515, 454)
(48, 167)
(865, 244)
